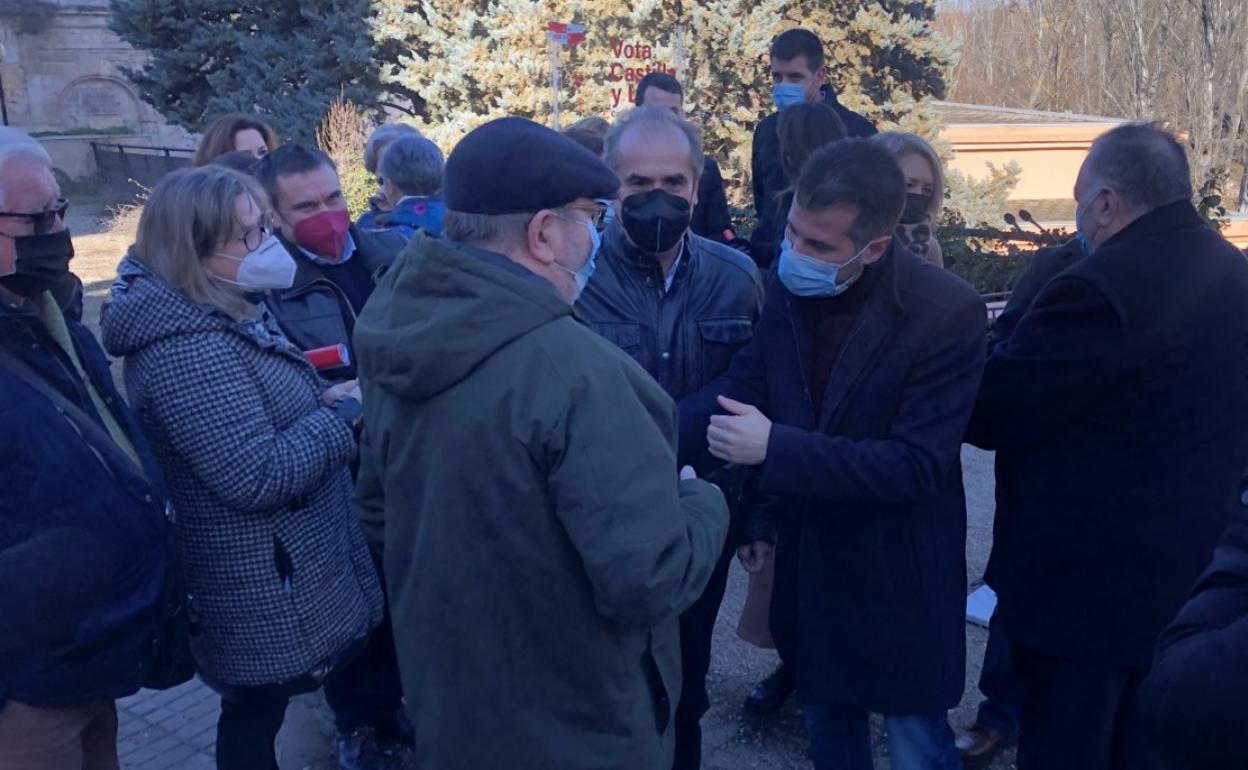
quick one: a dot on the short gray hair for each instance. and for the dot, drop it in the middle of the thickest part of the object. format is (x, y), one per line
(382, 136)
(414, 165)
(15, 144)
(653, 117)
(1143, 163)
(485, 229)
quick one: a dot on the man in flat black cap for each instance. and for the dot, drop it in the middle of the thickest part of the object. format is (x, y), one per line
(519, 473)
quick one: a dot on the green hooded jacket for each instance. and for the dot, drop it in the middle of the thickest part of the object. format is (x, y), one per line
(518, 473)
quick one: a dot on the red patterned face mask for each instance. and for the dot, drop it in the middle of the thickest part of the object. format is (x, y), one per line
(324, 234)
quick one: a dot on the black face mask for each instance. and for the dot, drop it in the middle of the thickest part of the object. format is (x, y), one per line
(42, 263)
(655, 221)
(916, 208)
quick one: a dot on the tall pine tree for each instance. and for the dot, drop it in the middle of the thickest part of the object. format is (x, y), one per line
(474, 60)
(284, 60)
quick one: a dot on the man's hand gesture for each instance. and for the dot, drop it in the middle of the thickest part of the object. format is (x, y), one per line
(741, 436)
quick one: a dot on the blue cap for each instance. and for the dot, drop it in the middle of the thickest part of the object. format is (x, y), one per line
(514, 166)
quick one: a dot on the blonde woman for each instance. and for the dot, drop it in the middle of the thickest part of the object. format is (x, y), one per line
(925, 193)
(255, 450)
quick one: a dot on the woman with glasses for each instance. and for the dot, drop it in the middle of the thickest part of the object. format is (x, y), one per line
(256, 451)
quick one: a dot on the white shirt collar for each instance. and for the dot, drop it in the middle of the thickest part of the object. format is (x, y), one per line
(348, 251)
(671, 274)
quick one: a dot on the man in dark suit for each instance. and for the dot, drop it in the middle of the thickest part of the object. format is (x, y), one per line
(797, 75)
(851, 401)
(1116, 406)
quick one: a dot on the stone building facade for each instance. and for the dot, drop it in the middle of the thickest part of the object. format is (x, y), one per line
(61, 79)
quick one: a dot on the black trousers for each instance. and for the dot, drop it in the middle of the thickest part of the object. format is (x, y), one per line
(1081, 717)
(365, 690)
(249, 722)
(697, 628)
(1001, 709)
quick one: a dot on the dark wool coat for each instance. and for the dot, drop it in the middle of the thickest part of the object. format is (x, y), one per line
(870, 588)
(1117, 406)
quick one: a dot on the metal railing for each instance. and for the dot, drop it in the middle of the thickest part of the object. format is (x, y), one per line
(995, 303)
(132, 168)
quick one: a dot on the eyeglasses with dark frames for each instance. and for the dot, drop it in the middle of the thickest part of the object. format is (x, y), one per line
(42, 221)
(254, 236)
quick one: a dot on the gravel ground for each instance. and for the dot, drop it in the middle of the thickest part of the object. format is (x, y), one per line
(733, 741)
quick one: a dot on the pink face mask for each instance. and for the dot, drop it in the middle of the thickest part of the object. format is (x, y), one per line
(324, 234)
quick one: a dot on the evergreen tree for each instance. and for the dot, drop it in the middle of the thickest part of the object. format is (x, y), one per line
(284, 60)
(475, 60)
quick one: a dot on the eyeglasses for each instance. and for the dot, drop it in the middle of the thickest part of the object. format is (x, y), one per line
(597, 212)
(42, 221)
(254, 236)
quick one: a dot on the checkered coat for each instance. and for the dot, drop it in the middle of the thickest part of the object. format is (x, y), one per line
(280, 577)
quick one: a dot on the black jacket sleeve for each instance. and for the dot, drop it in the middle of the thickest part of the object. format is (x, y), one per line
(769, 181)
(1060, 358)
(1045, 265)
(711, 219)
(1197, 692)
(756, 165)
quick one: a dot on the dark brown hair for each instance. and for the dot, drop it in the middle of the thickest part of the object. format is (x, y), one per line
(587, 139)
(793, 43)
(803, 129)
(661, 81)
(218, 139)
(858, 173)
(238, 160)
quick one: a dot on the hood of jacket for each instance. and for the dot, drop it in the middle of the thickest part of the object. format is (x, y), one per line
(142, 309)
(443, 309)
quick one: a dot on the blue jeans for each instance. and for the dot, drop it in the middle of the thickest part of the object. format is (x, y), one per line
(840, 739)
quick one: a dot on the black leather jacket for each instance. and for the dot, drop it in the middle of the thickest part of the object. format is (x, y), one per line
(310, 313)
(684, 337)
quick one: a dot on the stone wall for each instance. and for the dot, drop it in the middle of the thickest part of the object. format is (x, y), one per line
(61, 72)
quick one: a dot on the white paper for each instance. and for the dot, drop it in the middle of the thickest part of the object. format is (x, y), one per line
(980, 605)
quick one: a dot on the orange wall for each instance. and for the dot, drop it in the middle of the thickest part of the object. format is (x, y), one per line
(1236, 231)
(1049, 153)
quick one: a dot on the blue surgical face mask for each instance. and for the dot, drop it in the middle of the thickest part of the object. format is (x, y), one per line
(583, 275)
(786, 95)
(809, 277)
(608, 217)
(1084, 238)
